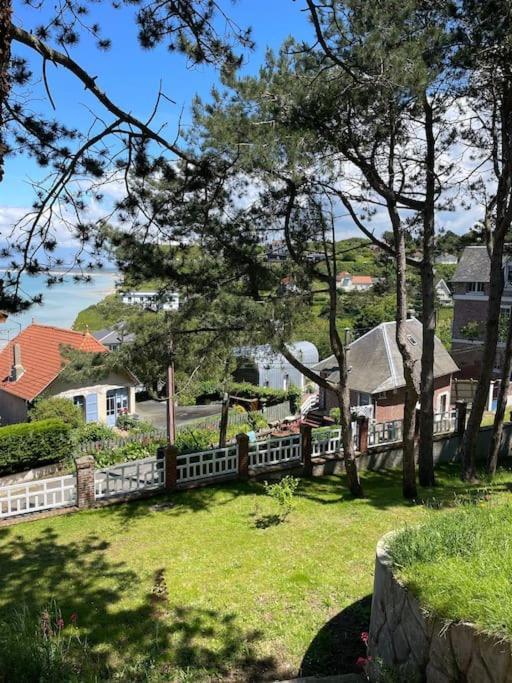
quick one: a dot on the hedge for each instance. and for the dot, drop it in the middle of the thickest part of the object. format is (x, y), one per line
(31, 444)
(247, 390)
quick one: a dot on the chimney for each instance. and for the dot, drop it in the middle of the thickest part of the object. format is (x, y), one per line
(17, 368)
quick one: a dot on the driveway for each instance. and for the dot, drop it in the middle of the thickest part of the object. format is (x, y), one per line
(155, 412)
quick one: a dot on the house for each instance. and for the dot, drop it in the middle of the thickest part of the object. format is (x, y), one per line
(470, 285)
(350, 283)
(376, 376)
(32, 365)
(263, 366)
(443, 293)
(288, 285)
(277, 251)
(114, 337)
(446, 259)
(152, 300)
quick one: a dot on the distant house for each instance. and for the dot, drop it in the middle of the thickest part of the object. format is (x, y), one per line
(264, 367)
(114, 337)
(349, 283)
(470, 285)
(277, 251)
(376, 375)
(152, 300)
(443, 293)
(446, 259)
(288, 285)
(32, 364)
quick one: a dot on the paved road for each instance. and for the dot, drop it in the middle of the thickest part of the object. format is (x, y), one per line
(154, 412)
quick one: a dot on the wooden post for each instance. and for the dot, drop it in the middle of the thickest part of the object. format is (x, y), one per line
(85, 481)
(242, 442)
(306, 443)
(363, 423)
(171, 406)
(460, 420)
(171, 469)
(224, 418)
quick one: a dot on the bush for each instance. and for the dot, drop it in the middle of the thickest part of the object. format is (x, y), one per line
(126, 421)
(57, 408)
(93, 432)
(192, 440)
(30, 444)
(131, 451)
(283, 492)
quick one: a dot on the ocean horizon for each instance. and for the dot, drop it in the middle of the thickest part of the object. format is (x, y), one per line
(61, 302)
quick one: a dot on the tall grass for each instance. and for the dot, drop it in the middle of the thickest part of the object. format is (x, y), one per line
(459, 564)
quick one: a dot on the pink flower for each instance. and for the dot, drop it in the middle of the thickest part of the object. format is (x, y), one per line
(361, 662)
(60, 623)
(73, 618)
(364, 637)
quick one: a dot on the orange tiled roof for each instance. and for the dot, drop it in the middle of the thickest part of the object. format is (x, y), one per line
(41, 357)
(362, 280)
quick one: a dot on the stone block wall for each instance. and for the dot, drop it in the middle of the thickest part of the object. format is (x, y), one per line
(419, 647)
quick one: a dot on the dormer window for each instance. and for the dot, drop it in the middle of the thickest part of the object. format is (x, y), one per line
(475, 287)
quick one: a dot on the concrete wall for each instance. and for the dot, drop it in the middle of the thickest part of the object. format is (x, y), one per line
(421, 647)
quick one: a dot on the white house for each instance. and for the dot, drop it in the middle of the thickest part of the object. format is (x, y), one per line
(264, 367)
(153, 300)
(351, 283)
(443, 293)
(32, 365)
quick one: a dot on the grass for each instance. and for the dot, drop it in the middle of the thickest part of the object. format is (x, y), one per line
(220, 593)
(459, 564)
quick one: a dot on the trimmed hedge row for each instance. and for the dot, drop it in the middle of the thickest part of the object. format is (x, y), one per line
(214, 391)
(31, 444)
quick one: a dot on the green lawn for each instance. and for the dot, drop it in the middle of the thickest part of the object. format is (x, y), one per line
(209, 576)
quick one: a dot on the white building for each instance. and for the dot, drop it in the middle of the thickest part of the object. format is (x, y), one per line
(351, 283)
(264, 367)
(155, 301)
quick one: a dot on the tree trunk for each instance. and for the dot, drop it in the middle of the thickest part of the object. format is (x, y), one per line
(409, 364)
(347, 440)
(426, 442)
(5, 57)
(497, 432)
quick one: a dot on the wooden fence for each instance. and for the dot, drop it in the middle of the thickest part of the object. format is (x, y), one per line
(175, 470)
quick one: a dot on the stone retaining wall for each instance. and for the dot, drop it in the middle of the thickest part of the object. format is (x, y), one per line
(423, 648)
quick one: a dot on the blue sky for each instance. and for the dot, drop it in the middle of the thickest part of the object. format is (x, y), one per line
(131, 76)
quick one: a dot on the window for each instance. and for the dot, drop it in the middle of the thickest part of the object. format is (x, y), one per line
(443, 399)
(80, 402)
(475, 287)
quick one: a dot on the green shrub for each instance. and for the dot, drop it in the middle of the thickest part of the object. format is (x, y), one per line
(93, 432)
(191, 440)
(212, 391)
(130, 451)
(126, 421)
(283, 492)
(30, 444)
(257, 421)
(57, 408)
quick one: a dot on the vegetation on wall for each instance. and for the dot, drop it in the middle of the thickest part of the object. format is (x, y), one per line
(31, 444)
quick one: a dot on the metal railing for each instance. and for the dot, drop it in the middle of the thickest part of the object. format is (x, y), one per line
(445, 422)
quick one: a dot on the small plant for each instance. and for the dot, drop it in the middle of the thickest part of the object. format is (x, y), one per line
(94, 432)
(283, 493)
(57, 408)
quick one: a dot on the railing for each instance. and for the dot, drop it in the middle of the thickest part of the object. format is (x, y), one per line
(380, 433)
(325, 442)
(42, 494)
(275, 451)
(445, 422)
(207, 464)
(129, 477)
(363, 411)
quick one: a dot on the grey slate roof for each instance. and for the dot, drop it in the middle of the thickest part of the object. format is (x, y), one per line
(474, 265)
(113, 336)
(376, 363)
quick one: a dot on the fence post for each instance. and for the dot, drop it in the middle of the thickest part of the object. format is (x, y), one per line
(85, 481)
(460, 420)
(306, 445)
(171, 469)
(242, 445)
(363, 424)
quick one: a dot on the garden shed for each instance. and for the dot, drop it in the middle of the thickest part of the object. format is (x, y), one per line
(263, 366)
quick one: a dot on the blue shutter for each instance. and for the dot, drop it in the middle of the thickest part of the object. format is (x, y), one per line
(91, 408)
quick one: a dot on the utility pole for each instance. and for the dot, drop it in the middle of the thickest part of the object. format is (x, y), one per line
(223, 427)
(171, 406)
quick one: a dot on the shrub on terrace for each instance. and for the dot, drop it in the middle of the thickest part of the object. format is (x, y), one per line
(31, 444)
(58, 408)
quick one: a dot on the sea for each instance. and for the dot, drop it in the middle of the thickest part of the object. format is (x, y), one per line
(61, 303)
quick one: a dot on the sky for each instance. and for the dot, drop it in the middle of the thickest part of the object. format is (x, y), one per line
(132, 77)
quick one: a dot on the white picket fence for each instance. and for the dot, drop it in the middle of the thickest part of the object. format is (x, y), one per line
(128, 477)
(41, 494)
(445, 422)
(275, 451)
(207, 464)
(380, 433)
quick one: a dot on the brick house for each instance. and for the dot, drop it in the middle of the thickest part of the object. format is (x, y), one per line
(32, 364)
(376, 375)
(470, 285)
